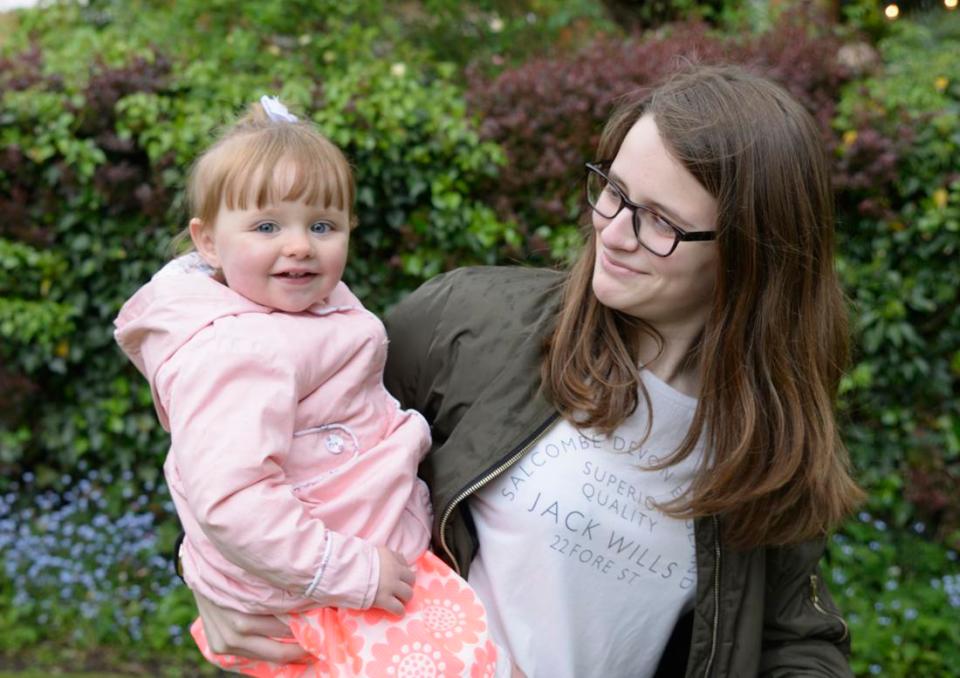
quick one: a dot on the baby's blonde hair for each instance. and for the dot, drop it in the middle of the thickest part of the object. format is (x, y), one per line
(240, 170)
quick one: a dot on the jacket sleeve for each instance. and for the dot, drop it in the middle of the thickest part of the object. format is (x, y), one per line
(232, 410)
(804, 633)
(413, 368)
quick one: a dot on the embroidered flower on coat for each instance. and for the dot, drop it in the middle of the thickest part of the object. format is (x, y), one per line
(410, 654)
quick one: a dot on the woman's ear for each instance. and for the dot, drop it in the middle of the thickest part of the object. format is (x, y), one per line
(202, 236)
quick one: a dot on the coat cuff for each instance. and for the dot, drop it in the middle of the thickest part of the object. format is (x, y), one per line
(348, 573)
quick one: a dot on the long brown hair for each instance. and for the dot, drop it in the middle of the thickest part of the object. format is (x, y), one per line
(775, 343)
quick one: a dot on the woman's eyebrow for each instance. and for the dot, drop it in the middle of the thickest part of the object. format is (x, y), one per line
(658, 207)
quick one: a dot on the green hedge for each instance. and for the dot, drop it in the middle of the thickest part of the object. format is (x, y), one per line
(104, 108)
(899, 150)
(900, 240)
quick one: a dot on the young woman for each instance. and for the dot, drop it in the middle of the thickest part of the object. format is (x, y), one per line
(635, 463)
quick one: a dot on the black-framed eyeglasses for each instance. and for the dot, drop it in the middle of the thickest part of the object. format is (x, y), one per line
(654, 231)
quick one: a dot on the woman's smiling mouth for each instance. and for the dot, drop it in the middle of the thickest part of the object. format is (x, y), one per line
(614, 267)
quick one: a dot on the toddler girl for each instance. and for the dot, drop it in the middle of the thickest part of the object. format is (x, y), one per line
(292, 469)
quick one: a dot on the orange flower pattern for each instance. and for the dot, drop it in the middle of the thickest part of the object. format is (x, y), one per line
(330, 636)
(485, 661)
(451, 612)
(431, 564)
(442, 633)
(405, 655)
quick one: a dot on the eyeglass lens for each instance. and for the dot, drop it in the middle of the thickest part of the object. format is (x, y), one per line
(649, 227)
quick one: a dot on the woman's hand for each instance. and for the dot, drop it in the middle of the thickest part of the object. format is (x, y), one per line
(247, 635)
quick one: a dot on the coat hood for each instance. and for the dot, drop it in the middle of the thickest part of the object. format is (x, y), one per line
(163, 315)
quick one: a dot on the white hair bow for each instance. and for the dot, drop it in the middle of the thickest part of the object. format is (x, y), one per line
(275, 110)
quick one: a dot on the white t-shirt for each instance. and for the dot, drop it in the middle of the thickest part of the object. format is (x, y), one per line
(580, 573)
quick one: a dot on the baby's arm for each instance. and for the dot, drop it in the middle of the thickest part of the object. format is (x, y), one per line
(231, 406)
(396, 582)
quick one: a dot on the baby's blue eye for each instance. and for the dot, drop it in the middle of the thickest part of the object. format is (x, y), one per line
(320, 227)
(267, 227)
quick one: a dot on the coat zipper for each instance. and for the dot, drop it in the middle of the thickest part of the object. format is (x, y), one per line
(716, 597)
(815, 599)
(506, 463)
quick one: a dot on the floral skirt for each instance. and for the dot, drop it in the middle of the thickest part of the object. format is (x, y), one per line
(442, 633)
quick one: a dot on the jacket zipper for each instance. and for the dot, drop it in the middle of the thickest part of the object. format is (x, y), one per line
(716, 597)
(506, 463)
(815, 599)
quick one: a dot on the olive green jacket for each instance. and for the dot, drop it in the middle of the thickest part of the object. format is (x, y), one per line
(465, 350)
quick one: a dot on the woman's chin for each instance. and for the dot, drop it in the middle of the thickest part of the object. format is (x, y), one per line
(613, 295)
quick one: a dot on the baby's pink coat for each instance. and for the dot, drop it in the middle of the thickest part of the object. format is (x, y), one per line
(289, 460)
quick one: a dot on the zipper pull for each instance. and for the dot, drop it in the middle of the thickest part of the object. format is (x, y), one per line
(815, 599)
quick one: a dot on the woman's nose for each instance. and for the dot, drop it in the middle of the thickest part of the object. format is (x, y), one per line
(617, 233)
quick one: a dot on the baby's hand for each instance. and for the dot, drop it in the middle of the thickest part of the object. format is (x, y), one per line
(396, 582)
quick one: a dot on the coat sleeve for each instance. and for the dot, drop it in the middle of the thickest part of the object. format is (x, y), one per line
(803, 634)
(413, 367)
(232, 410)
